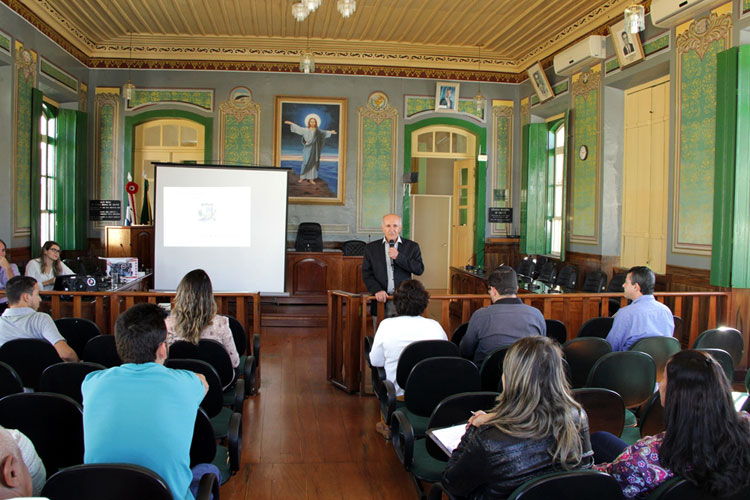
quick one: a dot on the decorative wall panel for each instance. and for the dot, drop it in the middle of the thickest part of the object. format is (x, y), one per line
(377, 147)
(83, 98)
(698, 43)
(202, 99)
(584, 199)
(106, 133)
(60, 76)
(5, 42)
(239, 129)
(416, 104)
(501, 172)
(525, 111)
(24, 79)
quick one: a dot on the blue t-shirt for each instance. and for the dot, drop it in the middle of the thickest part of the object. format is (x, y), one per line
(143, 414)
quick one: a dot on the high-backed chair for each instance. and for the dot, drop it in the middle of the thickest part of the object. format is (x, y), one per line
(77, 332)
(539, 262)
(729, 339)
(29, 358)
(249, 366)
(66, 378)
(581, 354)
(548, 273)
(596, 327)
(204, 450)
(492, 369)
(567, 277)
(309, 237)
(631, 374)
(421, 456)
(651, 422)
(103, 350)
(410, 356)
(569, 485)
(526, 267)
(556, 330)
(724, 359)
(595, 282)
(353, 248)
(604, 407)
(659, 348)
(615, 285)
(53, 422)
(459, 333)
(10, 381)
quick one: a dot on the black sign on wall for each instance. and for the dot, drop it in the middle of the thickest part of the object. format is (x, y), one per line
(500, 215)
(105, 210)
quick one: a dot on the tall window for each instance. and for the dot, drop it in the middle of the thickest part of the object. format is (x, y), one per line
(47, 200)
(555, 177)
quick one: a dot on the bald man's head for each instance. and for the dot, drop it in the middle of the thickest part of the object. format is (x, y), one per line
(15, 480)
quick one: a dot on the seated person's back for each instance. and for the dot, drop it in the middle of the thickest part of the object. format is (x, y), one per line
(503, 322)
(394, 334)
(142, 412)
(194, 315)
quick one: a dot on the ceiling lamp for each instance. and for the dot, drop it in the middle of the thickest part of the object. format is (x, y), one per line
(346, 7)
(129, 89)
(311, 5)
(299, 11)
(307, 62)
(635, 18)
(479, 99)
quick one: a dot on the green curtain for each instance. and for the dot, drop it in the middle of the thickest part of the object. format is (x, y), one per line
(36, 167)
(71, 187)
(70, 224)
(534, 189)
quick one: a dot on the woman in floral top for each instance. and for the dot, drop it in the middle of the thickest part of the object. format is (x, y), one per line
(706, 442)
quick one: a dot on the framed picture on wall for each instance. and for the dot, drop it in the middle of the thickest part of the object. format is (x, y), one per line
(446, 96)
(310, 138)
(627, 45)
(540, 83)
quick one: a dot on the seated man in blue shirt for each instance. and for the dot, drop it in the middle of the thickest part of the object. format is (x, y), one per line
(142, 412)
(645, 317)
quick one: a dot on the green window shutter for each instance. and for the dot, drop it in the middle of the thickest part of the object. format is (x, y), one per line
(568, 137)
(534, 189)
(70, 226)
(740, 225)
(36, 167)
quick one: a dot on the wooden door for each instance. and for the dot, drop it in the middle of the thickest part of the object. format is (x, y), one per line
(429, 214)
(462, 219)
(645, 188)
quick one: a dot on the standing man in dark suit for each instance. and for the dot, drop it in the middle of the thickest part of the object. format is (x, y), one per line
(390, 261)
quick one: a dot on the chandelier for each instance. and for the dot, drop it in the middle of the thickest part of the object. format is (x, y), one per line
(635, 18)
(307, 62)
(129, 89)
(303, 8)
(346, 7)
(479, 99)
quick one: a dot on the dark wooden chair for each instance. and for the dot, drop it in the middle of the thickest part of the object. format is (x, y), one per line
(604, 407)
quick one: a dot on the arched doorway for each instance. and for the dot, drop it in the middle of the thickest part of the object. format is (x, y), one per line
(443, 200)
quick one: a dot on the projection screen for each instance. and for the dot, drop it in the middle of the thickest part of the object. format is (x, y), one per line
(228, 221)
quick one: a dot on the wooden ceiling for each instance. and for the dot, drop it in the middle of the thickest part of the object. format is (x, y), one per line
(429, 34)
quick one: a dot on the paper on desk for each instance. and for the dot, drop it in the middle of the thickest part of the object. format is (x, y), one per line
(739, 399)
(450, 437)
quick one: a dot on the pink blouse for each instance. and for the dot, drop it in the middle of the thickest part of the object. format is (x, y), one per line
(218, 330)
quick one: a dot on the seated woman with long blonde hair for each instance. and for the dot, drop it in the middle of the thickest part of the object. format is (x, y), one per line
(535, 428)
(194, 317)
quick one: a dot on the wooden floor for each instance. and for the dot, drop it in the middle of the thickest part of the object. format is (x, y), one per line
(304, 439)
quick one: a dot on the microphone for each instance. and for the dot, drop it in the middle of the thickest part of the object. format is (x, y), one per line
(391, 243)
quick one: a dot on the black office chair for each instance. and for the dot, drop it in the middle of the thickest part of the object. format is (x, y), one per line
(459, 333)
(10, 381)
(526, 267)
(556, 330)
(595, 282)
(204, 450)
(102, 349)
(548, 273)
(581, 354)
(77, 331)
(596, 327)
(66, 378)
(249, 363)
(29, 358)
(53, 422)
(569, 485)
(539, 262)
(491, 371)
(377, 373)
(353, 248)
(615, 286)
(567, 277)
(309, 237)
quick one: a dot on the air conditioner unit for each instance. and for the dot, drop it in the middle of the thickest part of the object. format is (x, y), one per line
(580, 55)
(669, 13)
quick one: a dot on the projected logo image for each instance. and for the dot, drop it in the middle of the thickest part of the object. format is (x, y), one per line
(207, 212)
(207, 216)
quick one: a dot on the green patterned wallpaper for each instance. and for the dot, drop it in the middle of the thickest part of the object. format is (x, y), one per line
(611, 65)
(697, 47)
(657, 44)
(239, 140)
(503, 135)
(745, 6)
(419, 104)
(377, 170)
(203, 99)
(560, 87)
(4, 42)
(25, 80)
(106, 150)
(583, 204)
(58, 75)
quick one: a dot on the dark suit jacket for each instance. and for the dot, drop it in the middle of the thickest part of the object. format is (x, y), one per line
(374, 272)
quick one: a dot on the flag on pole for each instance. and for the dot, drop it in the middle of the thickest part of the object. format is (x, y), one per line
(131, 188)
(146, 217)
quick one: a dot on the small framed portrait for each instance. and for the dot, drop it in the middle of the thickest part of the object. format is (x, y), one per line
(446, 96)
(627, 45)
(540, 83)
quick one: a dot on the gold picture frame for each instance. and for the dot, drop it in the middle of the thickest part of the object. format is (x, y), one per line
(539, 81)
(627, 46)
